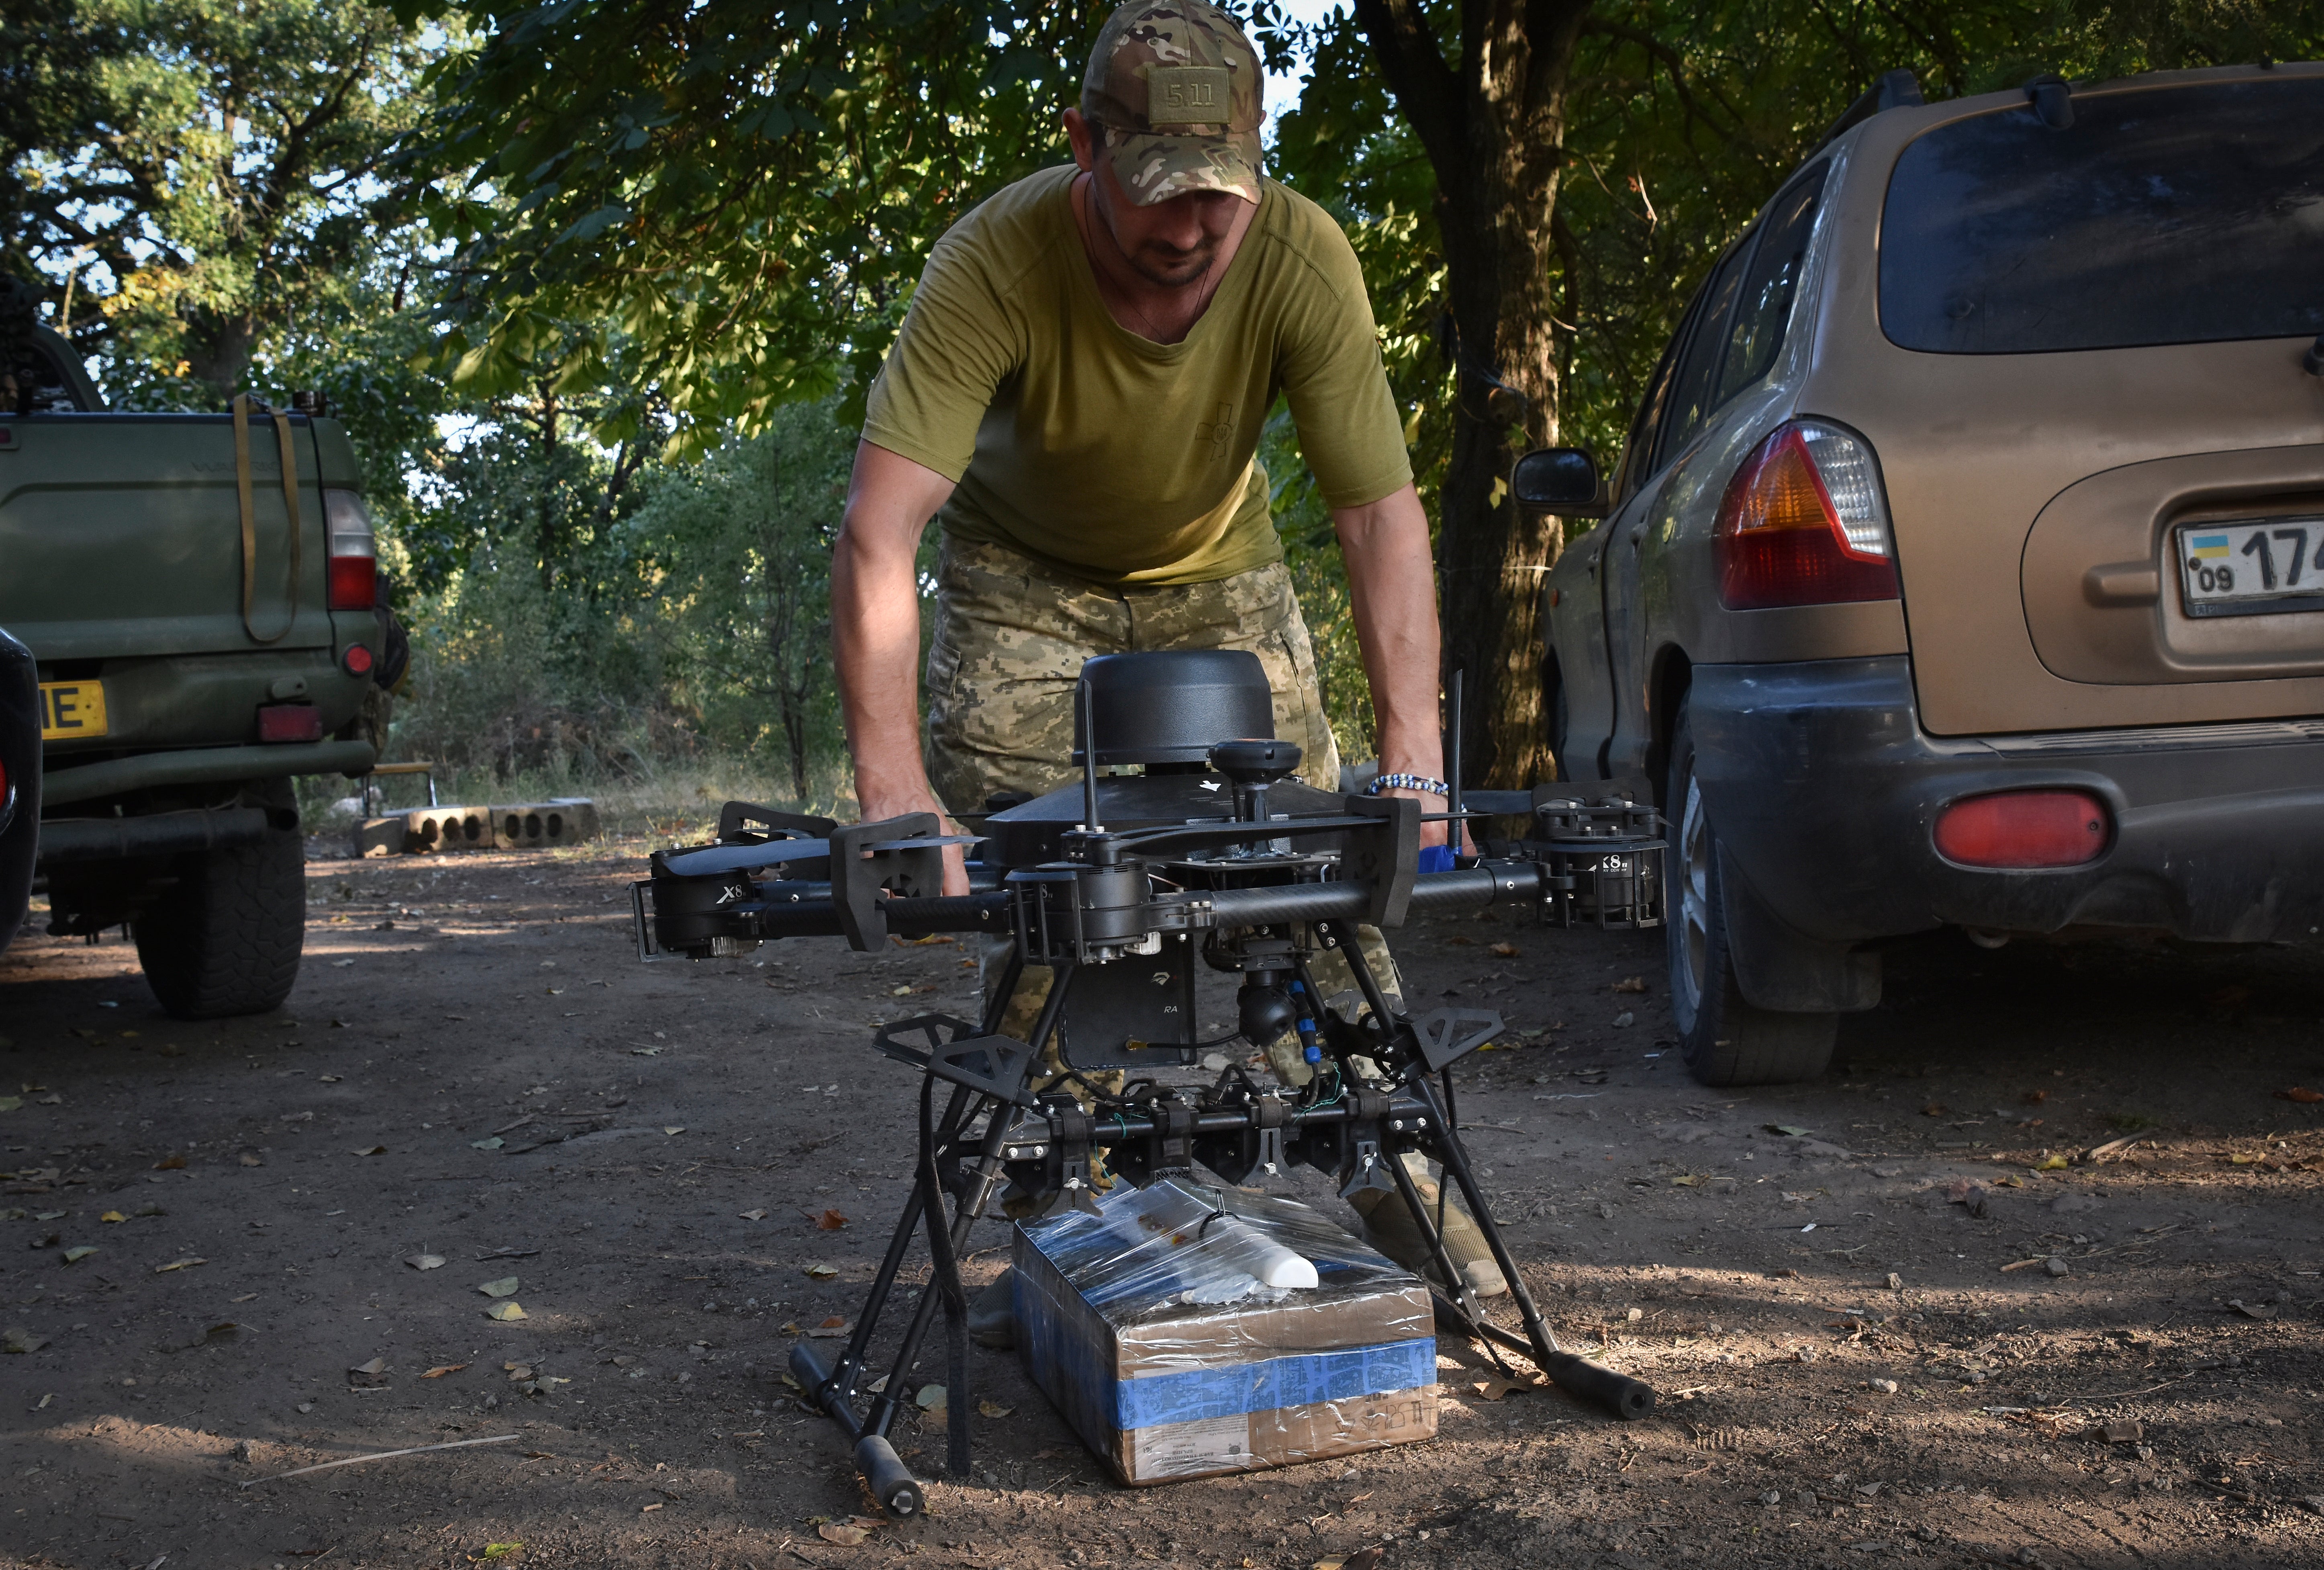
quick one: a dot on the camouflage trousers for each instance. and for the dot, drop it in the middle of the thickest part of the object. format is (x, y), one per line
(1010, 636)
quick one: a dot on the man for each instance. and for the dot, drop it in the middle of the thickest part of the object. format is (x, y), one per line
(1076, 396)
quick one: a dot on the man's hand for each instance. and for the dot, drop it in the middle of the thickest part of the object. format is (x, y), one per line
(875, 637)
(1392, 590)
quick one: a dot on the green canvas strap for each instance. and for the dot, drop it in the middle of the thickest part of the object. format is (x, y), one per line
(242, 485)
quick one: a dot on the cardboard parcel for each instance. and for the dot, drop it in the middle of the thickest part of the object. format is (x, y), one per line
(1152, 1326)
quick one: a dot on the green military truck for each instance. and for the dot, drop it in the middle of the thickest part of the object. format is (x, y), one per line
(198, 592)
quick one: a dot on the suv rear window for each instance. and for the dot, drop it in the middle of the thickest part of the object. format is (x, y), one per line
(2177, 215)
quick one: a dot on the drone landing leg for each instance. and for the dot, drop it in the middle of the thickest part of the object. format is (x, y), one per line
(1619, 1393)
(834, 1389)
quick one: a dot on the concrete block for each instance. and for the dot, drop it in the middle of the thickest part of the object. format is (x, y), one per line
(436, 829)
(542, 824)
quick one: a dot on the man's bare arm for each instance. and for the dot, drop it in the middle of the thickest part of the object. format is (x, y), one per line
(875, 633)
(1392, 590)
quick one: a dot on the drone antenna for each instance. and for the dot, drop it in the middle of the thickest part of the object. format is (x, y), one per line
(1089, 755)
(1452, 805)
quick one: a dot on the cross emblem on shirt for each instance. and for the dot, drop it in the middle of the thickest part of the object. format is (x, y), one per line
(1217, 432)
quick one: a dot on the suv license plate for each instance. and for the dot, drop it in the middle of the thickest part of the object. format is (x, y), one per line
(2252, 568)
(70, 709)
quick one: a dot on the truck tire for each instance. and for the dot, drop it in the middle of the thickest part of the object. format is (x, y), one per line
(1723, 1039)
(225, 938)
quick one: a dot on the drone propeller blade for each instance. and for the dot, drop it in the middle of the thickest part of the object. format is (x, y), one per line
(741, 858)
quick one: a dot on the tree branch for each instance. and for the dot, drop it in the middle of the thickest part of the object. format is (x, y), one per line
(1425, 89)
(1675, 64)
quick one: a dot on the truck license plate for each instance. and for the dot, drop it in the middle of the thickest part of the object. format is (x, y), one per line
(71, 709)
(2252, 567)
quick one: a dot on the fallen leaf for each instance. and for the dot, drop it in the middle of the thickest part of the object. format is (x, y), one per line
(331, 1078)
(517, 1370)
(831, 1329)
(2023, 1265)
(370, 1150)
(113, 1215)
(424, 1261)
(994, 1408)
(754, 1215)
(846, 1536)
(2252, 1310)
(368, 1376)
(678, 1129)
(822, 1272)
(1631, 983)
(11, 1102)
(2300, 1092)
(2050, 1164)
(1504, 950)
(2123, 1431)
(74, 1255)
(16, 1339)
(505, 1311)
(441, 1369)
(503, 1288)
(252, 1158)
(930, 1398)
(185, 1264)
(171, 1164)
(500, 1550)
(492, 1143)
(830, 1221)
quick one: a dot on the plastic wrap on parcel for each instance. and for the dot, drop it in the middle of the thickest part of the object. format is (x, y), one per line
(1147, 1327)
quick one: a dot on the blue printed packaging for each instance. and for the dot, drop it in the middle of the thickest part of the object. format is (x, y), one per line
(1172, 1360)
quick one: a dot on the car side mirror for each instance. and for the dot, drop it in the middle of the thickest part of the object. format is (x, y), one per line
(1558, 479)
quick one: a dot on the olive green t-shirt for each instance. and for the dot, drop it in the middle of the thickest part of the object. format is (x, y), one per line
(1108, 456)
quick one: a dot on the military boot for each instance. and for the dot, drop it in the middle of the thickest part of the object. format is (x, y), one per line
(1388, 1228)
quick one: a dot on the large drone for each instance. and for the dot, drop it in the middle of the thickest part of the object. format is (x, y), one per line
(1122, 885)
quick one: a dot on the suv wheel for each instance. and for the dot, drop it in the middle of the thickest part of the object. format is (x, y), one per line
(225, 938)
(1722, 1037)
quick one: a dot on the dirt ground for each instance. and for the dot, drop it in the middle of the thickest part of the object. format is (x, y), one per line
(1881, 1329)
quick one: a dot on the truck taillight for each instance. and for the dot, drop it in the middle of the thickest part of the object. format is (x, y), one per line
(2024, 829)
(354, 556)
(1804, 523)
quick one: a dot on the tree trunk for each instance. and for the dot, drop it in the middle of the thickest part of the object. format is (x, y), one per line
(218, 349)
(545, 530)
(1493, 127)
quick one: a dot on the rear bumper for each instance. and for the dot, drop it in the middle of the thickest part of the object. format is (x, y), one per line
(1820, 782)
(204, 765)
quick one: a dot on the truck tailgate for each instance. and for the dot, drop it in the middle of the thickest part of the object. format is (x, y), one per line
(119, 545)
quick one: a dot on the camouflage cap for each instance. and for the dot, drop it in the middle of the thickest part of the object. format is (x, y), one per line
(1173, 94)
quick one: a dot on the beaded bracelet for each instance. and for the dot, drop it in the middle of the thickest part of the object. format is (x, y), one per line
(1408, 782)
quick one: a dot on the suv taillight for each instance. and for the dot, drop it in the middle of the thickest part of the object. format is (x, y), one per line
(1804, 523)
(355, 558)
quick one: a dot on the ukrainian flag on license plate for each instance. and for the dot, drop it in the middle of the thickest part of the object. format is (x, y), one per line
(2209, 545)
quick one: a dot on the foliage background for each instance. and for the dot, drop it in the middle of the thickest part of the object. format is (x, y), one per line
(604, 386)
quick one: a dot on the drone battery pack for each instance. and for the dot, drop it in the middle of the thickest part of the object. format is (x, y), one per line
(1172, 1361)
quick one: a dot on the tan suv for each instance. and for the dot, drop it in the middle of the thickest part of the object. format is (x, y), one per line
(1962, 567)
